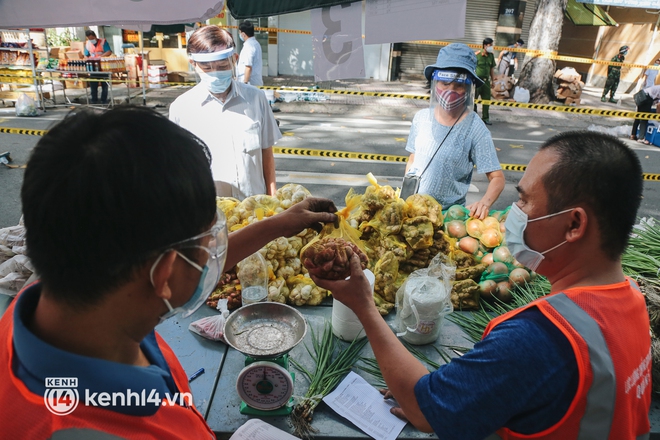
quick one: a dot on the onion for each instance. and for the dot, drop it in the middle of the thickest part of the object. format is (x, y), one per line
(487, 259)
(491, 222)
(490, 238)
(503, 292)
(502, 228)
(519, 276)
(469, 245)
(498, 269)
(456, 212)
(474, 227)
(487, 288)
(502, 254)
(456, 229)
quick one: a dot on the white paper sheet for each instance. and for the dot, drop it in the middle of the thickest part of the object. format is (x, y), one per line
(255, 429)
(394, 21)
(337, 42)
(358, 401)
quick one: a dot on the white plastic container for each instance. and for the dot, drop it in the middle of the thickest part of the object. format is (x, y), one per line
(345, 323)
(422, 303)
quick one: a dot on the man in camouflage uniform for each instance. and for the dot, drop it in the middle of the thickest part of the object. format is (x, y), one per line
(613, 75)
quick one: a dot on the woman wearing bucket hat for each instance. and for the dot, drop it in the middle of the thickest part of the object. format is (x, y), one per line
(448, 139)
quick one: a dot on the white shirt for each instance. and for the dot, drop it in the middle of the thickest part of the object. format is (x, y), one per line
(650, 78)
(236, 132)
(251, 56)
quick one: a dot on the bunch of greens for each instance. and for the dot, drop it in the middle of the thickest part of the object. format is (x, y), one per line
(333, 361)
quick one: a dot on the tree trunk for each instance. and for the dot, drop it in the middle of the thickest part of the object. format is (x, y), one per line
(544, 34)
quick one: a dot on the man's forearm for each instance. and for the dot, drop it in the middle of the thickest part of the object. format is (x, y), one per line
(247, 74)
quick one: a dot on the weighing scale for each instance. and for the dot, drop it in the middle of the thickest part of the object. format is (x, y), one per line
(265, 332)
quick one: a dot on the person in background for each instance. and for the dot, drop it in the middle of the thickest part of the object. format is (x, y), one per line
(507, 61)
(486, 73)
(645, 99)
(234, 119)
(574, 364)
(149, 245)
(614, 75)
(649, 75)
(96, 48)
(249, 69)
(448, 139)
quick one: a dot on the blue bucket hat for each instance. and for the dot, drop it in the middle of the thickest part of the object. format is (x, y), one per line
(455, 56)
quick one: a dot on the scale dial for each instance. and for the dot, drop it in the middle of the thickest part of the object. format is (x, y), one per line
(265, 385)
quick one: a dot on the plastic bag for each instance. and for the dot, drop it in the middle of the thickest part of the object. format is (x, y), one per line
(26, 106)
(423, 301)
(253, 275)
(389, 218)
(212, 327)
(456, 212)
(318, 255)
(521, 95)
(424, 205)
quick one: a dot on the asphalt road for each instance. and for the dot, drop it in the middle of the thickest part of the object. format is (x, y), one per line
(516, 143)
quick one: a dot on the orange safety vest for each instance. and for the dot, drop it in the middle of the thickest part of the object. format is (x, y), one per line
(25, 414)
(608, 328)
(95, 51)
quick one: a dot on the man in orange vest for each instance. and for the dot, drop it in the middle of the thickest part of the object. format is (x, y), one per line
(123, 230)
(96, 48)
(575, 364)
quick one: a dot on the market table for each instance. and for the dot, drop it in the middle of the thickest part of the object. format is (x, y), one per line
(195, 352)
(224, 416)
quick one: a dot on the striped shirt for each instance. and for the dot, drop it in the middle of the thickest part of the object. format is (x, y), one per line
(448, 177)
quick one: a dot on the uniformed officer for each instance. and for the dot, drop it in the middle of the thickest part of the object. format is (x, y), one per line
(614, 74)
(485, 71)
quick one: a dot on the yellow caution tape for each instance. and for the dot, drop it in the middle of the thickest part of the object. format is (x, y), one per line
(25, 131)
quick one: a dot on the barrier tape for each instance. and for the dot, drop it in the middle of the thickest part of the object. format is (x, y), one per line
(25, 131)
(333, 154)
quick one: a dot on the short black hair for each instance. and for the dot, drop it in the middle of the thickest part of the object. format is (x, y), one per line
(105, 192)
(89, 33)
(600, 171)
(488, 40)
(520, 41)
(247, 28)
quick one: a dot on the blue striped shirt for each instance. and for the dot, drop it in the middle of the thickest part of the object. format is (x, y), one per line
(448, 177)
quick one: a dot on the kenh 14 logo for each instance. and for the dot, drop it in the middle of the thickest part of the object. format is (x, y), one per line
(61, 395)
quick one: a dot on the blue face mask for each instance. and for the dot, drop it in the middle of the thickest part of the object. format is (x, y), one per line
(515, 224)
(241, 37)
(216, 81)
(94, 42)
(198, 297)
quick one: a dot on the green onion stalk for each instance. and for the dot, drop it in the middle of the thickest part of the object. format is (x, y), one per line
(332, 363)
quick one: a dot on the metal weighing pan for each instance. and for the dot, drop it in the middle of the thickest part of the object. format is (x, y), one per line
(265, 329)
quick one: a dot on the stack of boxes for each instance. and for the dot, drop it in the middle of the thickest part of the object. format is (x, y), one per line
(570, 86)
(157, 76)
(502, 88)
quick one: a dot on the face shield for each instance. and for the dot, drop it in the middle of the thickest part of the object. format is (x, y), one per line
(452, 92)
(215, 69)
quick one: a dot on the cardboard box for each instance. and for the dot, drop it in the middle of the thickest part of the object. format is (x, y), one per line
(74, 84)
(77, 45)
(73, 55)
(59, 52)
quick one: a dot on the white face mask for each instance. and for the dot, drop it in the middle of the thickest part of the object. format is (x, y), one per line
(515, 224)
(94, 42)
(489, 49)
(216, 81)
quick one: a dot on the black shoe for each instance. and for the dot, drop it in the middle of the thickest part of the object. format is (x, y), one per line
(275, 109)
(488, 123)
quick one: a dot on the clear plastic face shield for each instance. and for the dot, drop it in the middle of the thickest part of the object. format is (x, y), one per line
(212, 243)
(215, 69)
(452, 92)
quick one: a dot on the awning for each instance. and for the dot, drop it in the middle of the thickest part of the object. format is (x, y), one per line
(241, 9)
(586, 14)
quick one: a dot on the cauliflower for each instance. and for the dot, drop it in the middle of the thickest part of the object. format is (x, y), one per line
(226, 204)
(290, 194)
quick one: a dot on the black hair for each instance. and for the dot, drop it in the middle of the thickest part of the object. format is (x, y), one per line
(520, 41)
(488, 40)
(601, 172)
(89, 33)
(105, 192)
(247, 28)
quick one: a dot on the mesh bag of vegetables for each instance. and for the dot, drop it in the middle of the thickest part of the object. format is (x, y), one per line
(330, 252)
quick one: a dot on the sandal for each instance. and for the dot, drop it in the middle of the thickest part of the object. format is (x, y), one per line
(643, 141)
(633, 137)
